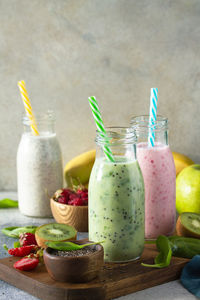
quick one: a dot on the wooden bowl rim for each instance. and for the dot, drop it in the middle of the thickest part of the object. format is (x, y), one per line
(66, 258)
(67, 205)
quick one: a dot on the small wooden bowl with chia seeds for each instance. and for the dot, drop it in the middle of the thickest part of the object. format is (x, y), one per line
(75, 266)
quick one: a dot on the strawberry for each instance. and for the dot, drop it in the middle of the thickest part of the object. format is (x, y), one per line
(22, 251)
(26, 239)
(26, 264)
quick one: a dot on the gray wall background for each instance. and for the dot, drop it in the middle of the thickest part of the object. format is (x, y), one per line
(117, 50)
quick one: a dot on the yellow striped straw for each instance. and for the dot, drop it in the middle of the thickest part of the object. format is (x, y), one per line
(27, 106)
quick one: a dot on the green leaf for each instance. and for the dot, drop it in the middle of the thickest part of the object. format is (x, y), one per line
(8, 203)
(8, 231)
(5, 247)
(16, 231)
(67, 246)
(16, 244)
(163, 259)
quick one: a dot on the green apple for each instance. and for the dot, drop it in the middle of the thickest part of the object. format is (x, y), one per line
(188, 190)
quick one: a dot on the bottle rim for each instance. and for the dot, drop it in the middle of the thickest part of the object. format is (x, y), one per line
(116, 136)
(40, 117)
(142, 123)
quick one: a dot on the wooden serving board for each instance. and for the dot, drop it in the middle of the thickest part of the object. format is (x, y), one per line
(114, 280)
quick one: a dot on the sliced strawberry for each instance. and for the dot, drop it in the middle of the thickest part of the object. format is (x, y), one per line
(21, 251)
(26, 264)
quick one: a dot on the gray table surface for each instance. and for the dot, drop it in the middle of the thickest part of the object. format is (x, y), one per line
(12, 217)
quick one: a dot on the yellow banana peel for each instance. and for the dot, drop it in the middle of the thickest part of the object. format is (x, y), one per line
(77, 171)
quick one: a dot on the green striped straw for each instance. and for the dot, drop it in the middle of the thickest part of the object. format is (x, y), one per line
(100, 126)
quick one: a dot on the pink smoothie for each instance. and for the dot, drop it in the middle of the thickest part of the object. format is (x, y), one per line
(159, 174)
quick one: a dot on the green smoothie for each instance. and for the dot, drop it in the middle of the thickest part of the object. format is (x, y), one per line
(116, 208)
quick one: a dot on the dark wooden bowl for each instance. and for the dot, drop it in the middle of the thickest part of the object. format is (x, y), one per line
(75, 268)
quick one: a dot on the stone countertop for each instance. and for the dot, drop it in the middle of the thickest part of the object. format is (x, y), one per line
(12, 217)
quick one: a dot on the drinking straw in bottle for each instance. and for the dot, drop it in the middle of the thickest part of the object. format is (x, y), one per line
(27, 106)
(152, 116)
(100, 126)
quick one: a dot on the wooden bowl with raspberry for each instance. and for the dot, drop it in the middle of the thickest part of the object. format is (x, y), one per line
(71, 207)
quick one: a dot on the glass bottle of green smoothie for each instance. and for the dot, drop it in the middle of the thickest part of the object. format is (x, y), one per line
(116, 197)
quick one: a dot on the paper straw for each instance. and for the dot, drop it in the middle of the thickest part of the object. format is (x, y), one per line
(100, 126)
(27, 106)
(152, 116)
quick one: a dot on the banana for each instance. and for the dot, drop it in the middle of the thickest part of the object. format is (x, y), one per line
(181, 161)
(77, 171)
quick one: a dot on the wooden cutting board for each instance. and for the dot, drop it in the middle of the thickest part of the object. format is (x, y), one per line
(114, 280)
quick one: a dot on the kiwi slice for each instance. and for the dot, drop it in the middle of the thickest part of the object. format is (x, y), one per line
(56, 232)
(188, 224)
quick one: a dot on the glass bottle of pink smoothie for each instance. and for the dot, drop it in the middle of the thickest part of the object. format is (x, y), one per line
(159, 175)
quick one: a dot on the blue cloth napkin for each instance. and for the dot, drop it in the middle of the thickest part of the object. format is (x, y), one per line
(190, 276)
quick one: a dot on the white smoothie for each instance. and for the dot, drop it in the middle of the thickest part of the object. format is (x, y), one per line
(39, 172)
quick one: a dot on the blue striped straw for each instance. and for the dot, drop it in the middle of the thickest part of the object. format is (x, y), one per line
(152, 116)
(100, 126)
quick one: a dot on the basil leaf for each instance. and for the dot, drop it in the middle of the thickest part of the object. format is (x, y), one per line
(16, 231)
(8, 203)
(67, 246)
(8, 231)
(163, 259)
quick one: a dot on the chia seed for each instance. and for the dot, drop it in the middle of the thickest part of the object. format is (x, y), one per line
(80, 252)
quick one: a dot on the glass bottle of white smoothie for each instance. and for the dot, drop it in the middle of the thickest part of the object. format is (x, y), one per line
(159, 174)
(116, 197)
(39, 166)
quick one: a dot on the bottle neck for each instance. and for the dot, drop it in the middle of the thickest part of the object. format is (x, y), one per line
(143, 128)
(45, 123)
(121, 141)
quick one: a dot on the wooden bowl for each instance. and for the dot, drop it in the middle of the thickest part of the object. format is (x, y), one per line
(75, 268)
(76, 216)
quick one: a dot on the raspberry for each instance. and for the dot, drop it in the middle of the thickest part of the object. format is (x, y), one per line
(66, 193)
(85, 200)
(84, 196)
(26, 239)
(73, 196)
(62, 200)
(68, 196)
(76, 202)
